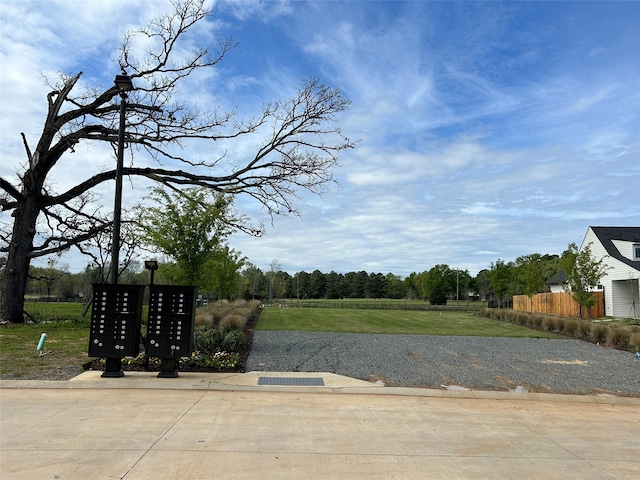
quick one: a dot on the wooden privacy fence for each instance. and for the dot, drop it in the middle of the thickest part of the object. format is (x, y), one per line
(558, 303)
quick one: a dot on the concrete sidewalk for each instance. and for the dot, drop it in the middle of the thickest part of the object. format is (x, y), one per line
(201, 426)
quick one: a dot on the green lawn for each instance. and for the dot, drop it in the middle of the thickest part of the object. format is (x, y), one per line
(67, 344)
(410, 322)
(55, 312)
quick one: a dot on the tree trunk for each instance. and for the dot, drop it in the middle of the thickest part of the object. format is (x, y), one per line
(14, 280)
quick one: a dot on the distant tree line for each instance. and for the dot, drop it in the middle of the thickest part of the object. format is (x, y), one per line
(224, 277)
(526, 275)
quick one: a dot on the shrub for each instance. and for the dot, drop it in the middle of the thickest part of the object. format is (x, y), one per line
(221, 309)
(634, 340)
(571, 326)
(599, 332)
(530, 321)
(232, 322)
(242, 310)
(537, 321)
(203, 319)
(234, 340)
(559, 324)
(584, 329)
(618, 336)
(549, 323)
(521, 318)
(206, 339)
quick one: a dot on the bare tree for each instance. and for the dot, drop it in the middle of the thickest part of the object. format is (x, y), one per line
(298, 146)
(274, 267)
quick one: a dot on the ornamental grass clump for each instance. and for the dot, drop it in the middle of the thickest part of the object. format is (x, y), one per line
(571, 326)
(537, 321)
(618, 336)
(521, 318)
(634, 340)
(598, 333)
(560, 324)
(584, 329)
(232, 322)
(204, 319)
(549, 324)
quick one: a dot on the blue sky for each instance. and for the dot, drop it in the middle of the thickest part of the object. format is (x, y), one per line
(487, 129)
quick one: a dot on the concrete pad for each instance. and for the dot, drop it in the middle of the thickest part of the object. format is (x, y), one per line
(313, 432)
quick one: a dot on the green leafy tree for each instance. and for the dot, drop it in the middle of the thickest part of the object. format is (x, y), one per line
(335, 285)
(584, 273)
(317, 285)
(376, 286)
(252, 282)
(463, 284)
(190, 228)
(302, 285)
(501, 275)
(532, 273)
(438, 283)
(395, 286)
(222, 272)
(274, 268)
(413, 285)
(355, 283)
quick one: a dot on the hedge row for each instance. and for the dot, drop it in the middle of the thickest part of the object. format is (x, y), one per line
(622, 337)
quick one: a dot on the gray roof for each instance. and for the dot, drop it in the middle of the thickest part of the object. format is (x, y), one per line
(627, 234)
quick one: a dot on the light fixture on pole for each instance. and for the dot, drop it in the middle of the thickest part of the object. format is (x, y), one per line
(153, 266)
(124, 85)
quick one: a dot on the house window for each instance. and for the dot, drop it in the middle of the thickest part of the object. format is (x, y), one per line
(636, 251)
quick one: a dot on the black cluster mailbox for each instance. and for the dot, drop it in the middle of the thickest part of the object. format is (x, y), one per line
(115, 324)
(170, 327)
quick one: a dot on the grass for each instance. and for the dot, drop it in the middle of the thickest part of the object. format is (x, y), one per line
(67, 344)
(409, 322)
(378, 303)
(55, 312)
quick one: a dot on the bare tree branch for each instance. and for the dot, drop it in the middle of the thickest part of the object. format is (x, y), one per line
(299, 150)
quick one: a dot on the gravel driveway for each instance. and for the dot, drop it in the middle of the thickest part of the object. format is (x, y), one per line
(483, 363)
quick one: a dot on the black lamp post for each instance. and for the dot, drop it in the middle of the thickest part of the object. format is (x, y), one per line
(124, 84)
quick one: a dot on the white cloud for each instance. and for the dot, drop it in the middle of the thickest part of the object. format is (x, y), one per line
(488, 130)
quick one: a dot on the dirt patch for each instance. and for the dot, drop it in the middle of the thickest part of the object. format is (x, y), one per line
(414, 356)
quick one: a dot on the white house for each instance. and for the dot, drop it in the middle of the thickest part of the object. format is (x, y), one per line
(620, 249)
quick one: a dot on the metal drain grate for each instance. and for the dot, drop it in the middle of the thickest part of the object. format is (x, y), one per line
(292, 381)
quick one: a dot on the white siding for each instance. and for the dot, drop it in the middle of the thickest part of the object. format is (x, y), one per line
(617, 300)
(625, 248)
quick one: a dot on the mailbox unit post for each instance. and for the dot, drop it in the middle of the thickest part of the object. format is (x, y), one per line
(170, 325)
(115, 324)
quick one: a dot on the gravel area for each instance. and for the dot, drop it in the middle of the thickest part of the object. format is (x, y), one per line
(481, 363)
